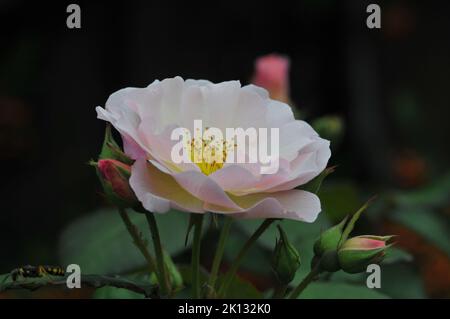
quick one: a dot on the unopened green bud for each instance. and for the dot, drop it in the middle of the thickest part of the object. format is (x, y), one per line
(286, 259)
(329, 261)
(329, 239)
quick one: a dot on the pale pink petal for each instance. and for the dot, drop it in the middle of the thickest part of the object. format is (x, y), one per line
(258, 90)
(251, 111)
(131, 148)
(293, 139)
(159, 192)
(222, 101)
(292, 204)
(204, 188)
(172, 90)
(233, 178)
(279, 113)
(192, 107)
(306, 166)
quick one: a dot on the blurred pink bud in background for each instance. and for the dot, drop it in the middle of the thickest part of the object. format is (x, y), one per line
(272, 73)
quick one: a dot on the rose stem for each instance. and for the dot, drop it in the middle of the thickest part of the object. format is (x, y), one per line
(219, 253)
(162, 275)
(237, 261)
(195, 259)
(305, 282)
(137, 240)
(280, 292)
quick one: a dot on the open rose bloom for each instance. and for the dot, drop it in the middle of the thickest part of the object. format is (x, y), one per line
(146, 118)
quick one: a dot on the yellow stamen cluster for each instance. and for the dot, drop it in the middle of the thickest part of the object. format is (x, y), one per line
(209, 154)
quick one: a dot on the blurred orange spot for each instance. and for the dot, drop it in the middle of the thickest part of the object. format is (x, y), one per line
(399, 21)
(409, 169)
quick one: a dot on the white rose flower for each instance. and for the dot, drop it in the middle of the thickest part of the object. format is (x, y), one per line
(146, 117)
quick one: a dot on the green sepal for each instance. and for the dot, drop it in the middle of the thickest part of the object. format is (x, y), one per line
(111, 150)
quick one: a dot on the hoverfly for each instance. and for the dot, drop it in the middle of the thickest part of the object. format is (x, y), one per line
(29, 271)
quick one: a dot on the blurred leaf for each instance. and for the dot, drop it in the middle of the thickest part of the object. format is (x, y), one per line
(401, 281)
(314, 185)
(428, 224)
(5, 278)
(100, 243)
(338, 200)
(330, 127)
(115, 293)
(185, 271)
(395, 255)
(333, 290)
(435, 194)
(305, 248)
(296, 230)
(240, 289)
(256, 260)
(302, 235)
(342, 276)
(398, 278)
(406, 110)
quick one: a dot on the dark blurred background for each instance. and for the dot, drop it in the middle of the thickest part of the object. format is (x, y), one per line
(389, 85)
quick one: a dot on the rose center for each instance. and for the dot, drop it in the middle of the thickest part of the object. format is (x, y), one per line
(209, 153)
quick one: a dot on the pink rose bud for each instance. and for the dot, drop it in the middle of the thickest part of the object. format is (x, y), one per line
(272, 73)
(114, 176)
(359, 252)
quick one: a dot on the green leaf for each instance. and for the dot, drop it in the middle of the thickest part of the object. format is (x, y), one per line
(398, 280)
(314, 185)
(185, 271)
(115, 293)
(296, 230)
(238, 288)
(433, 195)
(333, 290)
(257, 259)
(401, 281)
(339, 200)
(241, 289)
(396, 255)
(305, 248)
(428, 224)
(100, 243)
(302, 235)
(5, 278)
